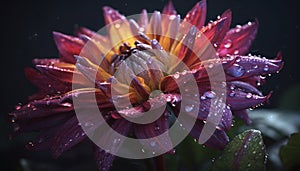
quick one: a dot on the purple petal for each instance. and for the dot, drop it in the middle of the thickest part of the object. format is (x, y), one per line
(68, 135)
(248, 66)
(243, 115)
(218, 140)
(169, 9)
(104, 160)
(154, 129)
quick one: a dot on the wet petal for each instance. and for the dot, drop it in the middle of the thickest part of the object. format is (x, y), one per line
(243, 115)
(143, 20)
(118, 28)
(218, 140)
(215, 31)
(40, 123)
(69, 135)
(197, 15)
(169, 9)
(43, 141)
(239, 99)
(154, 129)
(247, 66)
(104, 158)
(62, 72)
(238, 40)
(90, 70)
(68, 46)
(170, 28)
(60, 104)
(154, 29)
(46, 87)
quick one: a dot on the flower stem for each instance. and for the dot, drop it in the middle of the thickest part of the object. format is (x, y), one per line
(159, 163)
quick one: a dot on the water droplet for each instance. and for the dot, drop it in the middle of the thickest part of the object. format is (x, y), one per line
(210, 94)
(236, 52)
(176, 75)
(215, 45)
(18, 107)
(117, 26)
(255, 66)
(152, 143)
(249, 165)
(254, 152)
(210, 66)
(153, 153)
(189, 108)
(88, 124)
(67, 104)
(245, 146)
(235, 70)
(228, 45)
(157, 128)
(266, 68)
(143, 150)
(202, 97)
(249, 95)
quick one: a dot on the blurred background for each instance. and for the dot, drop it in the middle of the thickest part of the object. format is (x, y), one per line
(27, 34)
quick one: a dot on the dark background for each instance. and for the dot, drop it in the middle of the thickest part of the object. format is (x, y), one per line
(26, 33)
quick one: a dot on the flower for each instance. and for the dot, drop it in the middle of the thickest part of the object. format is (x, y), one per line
(51, 111)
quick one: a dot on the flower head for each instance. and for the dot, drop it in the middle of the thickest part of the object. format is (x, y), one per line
(141, 66)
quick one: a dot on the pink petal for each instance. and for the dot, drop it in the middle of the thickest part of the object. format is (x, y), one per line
(68, 46)
(197, 15)
(169, 9)
(238, 40)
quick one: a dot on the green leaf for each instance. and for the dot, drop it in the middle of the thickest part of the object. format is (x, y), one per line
(290, 153)
(245, 152)
(287, 122)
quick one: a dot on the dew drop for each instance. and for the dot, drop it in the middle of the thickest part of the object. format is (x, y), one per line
(210, 66)
(235, 70)
(210, 94)
(266, 68)
(88, 124)
(189, 108)
(249, 95)
(152, 143)
(176, 76)
(228, 45)
(18, 107)
(67, 104)
(157, 128)
(117, 26)
(232, 94)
